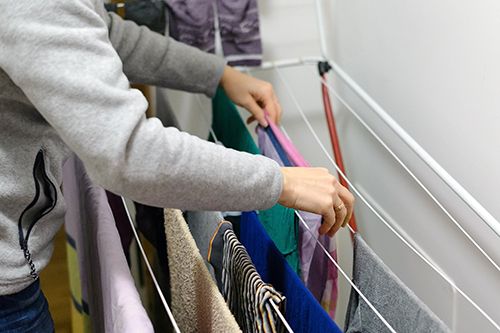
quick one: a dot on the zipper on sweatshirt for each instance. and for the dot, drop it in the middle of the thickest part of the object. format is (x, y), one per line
(43, 203)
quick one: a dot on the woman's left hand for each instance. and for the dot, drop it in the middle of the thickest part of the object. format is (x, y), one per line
(253, 94)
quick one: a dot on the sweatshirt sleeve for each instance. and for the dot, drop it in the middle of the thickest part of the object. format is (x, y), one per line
(63, 61)
(151, 58)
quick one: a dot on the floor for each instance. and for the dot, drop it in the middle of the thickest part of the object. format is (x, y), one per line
(55, 285)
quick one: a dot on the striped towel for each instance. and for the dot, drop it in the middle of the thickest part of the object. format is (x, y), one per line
(246, 294)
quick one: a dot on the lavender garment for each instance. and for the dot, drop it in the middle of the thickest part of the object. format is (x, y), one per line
(266, 146)
(192, 22)
(116, 306)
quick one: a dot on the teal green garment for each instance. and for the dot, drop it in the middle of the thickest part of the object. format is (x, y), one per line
(279, 222)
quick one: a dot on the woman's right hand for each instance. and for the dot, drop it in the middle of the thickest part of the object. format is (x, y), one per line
(315, 190)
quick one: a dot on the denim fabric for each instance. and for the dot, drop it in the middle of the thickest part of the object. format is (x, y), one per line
(208, 230)
(26, 311)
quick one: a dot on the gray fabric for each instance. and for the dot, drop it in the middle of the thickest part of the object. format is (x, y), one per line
(64, 86)
(164, 110)
(396, 303)
(208, 230)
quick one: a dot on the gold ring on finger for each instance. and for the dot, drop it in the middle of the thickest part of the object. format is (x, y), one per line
(339, 207)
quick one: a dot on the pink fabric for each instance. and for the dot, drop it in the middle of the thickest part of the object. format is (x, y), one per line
(318, 273)
(292, 152)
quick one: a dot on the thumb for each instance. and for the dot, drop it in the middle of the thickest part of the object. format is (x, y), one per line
(257, 112)
(328, 221)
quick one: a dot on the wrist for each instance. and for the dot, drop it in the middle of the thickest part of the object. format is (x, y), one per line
(226, 73)
(284, 198)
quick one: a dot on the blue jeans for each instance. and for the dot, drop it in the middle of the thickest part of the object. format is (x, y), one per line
(25, 311)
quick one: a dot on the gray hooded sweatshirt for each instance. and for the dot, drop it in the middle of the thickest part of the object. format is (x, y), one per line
(65, 67)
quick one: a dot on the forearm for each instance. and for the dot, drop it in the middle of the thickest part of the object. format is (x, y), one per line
(154, 59)
(74, 79)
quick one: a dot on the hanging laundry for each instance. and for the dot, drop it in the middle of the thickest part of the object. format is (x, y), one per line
(270, 147)
(197, 304)
(280, 222)
(194, 22)
(122, 224)
(303, 312)
(107, 285)
(150, 222)
(244, 291)
(208, 230)
(248, 297)
(396, 302)
(318, 273)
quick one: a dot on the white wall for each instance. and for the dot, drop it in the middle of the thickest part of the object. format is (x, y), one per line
(433, 66)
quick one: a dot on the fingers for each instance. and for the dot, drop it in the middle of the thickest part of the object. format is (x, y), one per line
(348, 200)
(256, 111)
(328, 221)
(340, 215)
(316, 190)
(251, 93)
(267, 99)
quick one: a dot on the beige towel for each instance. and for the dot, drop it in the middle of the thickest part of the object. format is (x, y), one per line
(197, 304)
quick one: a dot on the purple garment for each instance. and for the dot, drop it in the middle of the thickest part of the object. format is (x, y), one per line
(318, 273)
(114, 302)
(121, 218)
(192, 22)
(266, 146)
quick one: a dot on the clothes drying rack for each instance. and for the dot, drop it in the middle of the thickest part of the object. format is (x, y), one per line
(308, 61)
(454, 185)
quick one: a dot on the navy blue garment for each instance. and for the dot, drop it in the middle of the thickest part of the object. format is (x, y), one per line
(277, 146)
(303, 312)
(26, 311)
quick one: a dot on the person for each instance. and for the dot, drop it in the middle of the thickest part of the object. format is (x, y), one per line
(65, 69)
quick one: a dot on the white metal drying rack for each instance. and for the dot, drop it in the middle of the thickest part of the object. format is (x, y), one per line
(370, 206)
(276, 65)
(457, 188)
(309, 61)
(452, 183)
